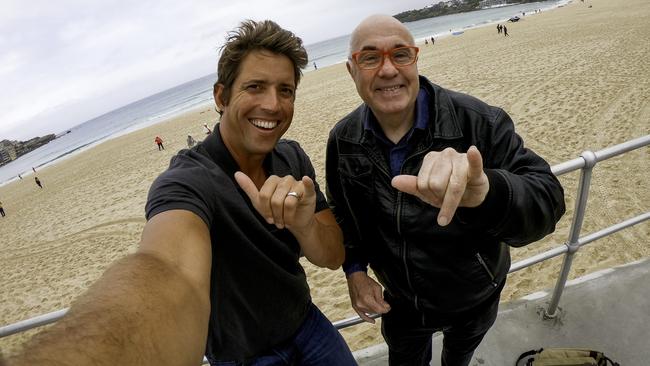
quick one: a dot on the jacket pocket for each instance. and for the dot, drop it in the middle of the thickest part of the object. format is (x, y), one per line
(487, 269)
(355, 171)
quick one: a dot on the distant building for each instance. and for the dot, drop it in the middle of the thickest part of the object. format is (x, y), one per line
(7, 152)
(485, 4)
(10, 150)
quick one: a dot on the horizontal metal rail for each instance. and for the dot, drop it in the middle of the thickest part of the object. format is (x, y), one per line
(352, 321)
(557, 251)
(604, 154)
(34, 322)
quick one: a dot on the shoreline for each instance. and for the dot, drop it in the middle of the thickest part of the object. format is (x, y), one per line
(570, 79)
(91, 144)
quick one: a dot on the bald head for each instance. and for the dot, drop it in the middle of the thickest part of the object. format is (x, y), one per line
(388, 88)
(378, 25)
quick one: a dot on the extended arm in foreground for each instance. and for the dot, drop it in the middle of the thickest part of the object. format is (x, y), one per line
(150, 308)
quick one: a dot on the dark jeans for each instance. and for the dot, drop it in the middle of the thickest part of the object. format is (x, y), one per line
(408, 333)
(316, 343)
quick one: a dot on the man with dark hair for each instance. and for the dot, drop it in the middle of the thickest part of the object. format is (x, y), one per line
(217, 270)
(429, 187)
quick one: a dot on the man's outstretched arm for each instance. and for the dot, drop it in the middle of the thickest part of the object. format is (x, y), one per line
(150, 308)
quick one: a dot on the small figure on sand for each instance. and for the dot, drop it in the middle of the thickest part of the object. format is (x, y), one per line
(34, 169)
(433, 41)
(159, 142)
(207, 129)
(19, 177)
(315, 67)
(498, 28)
(425, 41)
(2, 211)
(38, 182)
(505, 31)
(190, 141)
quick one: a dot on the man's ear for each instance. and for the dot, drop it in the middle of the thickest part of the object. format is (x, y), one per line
(219, 97)
(349, 67)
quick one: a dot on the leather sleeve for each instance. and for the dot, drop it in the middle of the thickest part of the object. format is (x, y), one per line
(526, 199)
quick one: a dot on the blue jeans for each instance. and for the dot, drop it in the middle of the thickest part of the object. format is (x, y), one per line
(316, 343)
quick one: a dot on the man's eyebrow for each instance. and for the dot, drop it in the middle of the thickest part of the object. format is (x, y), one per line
(256, 81)
(368, 48)
(374, 48)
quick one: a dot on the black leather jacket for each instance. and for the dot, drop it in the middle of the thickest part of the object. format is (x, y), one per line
(452, 269)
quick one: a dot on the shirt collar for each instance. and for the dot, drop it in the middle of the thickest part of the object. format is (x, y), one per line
(273, 163)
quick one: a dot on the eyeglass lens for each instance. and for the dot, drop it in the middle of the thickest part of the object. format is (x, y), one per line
(401, 56)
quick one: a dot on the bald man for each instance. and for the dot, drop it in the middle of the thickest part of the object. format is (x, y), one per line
(430, 188)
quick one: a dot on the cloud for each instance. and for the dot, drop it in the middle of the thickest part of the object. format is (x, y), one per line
(85, 58)
(9, 62)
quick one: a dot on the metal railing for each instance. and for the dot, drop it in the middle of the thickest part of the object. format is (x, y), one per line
(585, 163)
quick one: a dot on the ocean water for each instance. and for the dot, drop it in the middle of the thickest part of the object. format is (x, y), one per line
(191, 94)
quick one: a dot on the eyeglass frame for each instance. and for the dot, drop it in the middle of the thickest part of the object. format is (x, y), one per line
(354, 57)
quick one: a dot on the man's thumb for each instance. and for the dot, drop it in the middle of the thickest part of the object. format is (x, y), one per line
(406, 183)
(247, 185)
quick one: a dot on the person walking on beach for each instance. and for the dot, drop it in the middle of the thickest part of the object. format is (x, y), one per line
(38, 182)
(430, 187)
(217, 271)
(207, 129)
(505, 31)
(2, 211)
(498, 28)
(159, 142)
(190, 141)
(20, 177)
(433, 41)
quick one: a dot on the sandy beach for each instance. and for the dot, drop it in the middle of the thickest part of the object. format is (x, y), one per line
(573, 79)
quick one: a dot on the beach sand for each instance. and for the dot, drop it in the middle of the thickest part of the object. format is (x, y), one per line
(573, 79)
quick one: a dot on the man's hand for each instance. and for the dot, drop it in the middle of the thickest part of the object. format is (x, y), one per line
(366, 296)
(448, 180)
(276, 205)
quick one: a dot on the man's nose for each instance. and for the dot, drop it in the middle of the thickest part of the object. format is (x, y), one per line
(387, 67)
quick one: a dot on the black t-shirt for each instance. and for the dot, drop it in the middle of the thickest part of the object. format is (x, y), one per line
(258, 290)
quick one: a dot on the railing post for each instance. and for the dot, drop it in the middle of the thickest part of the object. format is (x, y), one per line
(574, 234)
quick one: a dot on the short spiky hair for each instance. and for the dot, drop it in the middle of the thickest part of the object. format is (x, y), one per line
(251, 36)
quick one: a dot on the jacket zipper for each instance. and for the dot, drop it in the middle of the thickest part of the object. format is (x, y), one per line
(398, 223)
(404, 246)
(404, 249)
(485, 267)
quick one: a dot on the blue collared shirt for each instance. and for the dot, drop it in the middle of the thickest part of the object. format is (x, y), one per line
(395, 153)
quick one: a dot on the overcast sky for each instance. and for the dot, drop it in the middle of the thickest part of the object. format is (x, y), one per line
(65, 62)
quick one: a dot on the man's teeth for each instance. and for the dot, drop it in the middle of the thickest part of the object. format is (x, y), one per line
(390, 88)
(264, 124)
